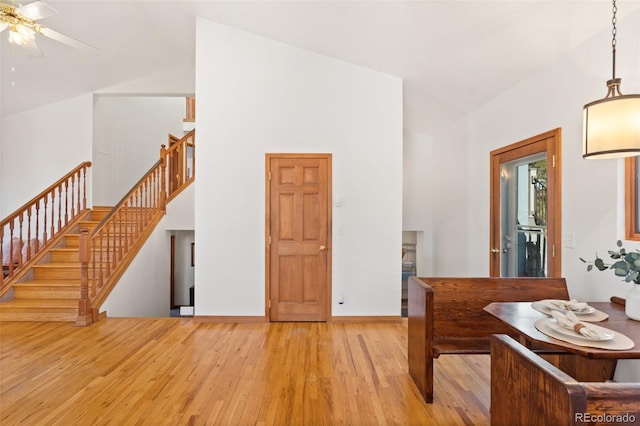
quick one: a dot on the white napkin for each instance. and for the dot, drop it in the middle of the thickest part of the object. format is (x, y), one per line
(571, 305)
(571, 322)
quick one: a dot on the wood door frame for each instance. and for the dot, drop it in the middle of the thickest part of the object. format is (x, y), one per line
(552, 141)
(267, 227)
(172, 272)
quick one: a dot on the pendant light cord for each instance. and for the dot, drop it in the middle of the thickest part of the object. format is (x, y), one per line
(614, 31)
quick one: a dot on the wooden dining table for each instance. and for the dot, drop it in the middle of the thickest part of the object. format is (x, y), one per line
(581, 362)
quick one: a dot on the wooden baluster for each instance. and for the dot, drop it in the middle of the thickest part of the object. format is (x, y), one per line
(2, 251)
(123, 235)
(183, 162)
(59, 208)
(156, 188)
(146, 191)
(84, 312)
(37, 218)
(11, 261)
(128, 223)
(44, 225)
(163, 177)
(82, 183)
(29, 237)
(138, 213)
(100, 264)
(107, 263)
(21, 227)
(66, 202)
(53, 210)
(1, 247)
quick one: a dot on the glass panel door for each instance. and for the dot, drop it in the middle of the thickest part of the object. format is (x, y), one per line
(523, 221)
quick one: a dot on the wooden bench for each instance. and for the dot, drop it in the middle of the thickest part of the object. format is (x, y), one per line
(446, 317)
(526, 389)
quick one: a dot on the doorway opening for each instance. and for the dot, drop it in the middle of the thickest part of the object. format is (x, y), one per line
(182, 272)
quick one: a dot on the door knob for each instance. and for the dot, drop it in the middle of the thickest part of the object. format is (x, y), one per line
(322, 248)
(495, 250)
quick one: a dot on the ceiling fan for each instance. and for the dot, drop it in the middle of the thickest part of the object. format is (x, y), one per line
(20, 20)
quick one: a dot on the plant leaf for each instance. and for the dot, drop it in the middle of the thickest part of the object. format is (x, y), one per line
(599, 263)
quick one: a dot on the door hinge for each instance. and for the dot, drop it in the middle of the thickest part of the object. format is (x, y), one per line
(553, 160)
(269, 239)
(269, 303)
(553, 250)
(269, 175)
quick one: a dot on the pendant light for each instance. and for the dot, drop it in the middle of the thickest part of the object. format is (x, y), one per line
(611, 126)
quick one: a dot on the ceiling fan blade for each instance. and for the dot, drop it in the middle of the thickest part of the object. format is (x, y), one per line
(67, 40)
(36, 10)
(32, 49)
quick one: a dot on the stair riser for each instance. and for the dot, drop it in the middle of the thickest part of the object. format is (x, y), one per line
(56, 273)
(73, 241)
(64, 256)
(39, 316)
(73, 257)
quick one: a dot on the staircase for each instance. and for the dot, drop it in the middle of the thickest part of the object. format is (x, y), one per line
(53, 291)
(79, 254)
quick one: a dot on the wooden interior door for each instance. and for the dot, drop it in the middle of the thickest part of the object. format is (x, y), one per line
(298, 237)
(504, 239)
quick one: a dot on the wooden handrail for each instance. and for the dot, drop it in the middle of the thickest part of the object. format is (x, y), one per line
(26, 231)
(108, 250)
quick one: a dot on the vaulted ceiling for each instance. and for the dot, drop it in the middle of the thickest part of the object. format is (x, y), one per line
(452, 55)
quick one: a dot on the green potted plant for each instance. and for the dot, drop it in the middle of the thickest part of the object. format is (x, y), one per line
(625, 264)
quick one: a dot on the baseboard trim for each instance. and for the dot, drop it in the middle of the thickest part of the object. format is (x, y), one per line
(261, 319)
(367, 319)
(230, 319)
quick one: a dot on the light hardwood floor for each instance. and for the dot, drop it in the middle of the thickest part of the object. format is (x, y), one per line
(176, 371)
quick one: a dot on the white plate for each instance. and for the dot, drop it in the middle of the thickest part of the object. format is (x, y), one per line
(551, 304)
(603, 332)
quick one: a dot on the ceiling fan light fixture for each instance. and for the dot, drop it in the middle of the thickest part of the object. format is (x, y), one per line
(611, 126)
(20, 34)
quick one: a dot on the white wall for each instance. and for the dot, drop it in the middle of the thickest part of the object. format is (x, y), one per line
(261, 96)
(40, 146)
(145, 288)
(592, 201)
(128, 133)
(179, 81)
(184, 272)
(181, 210)
(418, 201)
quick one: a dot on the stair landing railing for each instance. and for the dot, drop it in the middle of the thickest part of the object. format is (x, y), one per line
(26, 232)
(106, 252)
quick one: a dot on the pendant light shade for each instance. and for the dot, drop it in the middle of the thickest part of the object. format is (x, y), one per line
(611, 126)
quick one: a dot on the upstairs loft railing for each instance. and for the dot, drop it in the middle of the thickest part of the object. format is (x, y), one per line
(106, 252)
(26, 232)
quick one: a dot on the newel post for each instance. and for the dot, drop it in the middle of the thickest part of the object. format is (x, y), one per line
(84, 310)
(163, 177)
